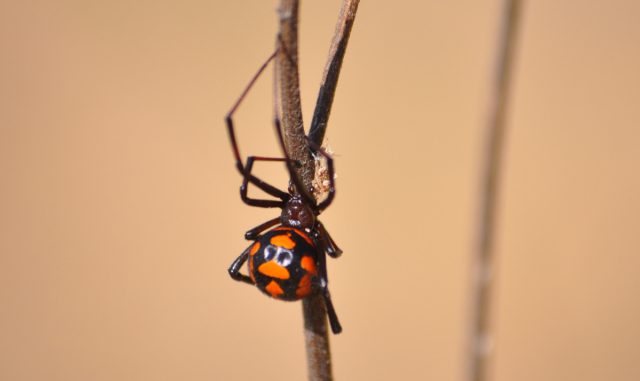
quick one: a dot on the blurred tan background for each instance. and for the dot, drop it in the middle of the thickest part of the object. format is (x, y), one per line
(120, 213)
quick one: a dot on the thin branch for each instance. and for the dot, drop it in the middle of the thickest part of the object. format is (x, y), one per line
(288, 78)
(484, 253)
(332, 70)
(316, 339)
(315, 320)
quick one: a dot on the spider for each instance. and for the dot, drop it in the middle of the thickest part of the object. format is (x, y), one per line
(287, 262)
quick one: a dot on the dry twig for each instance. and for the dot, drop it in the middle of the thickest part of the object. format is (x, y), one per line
(332, 70)
(315, 322)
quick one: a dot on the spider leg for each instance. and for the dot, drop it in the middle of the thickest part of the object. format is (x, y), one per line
(306, 194)
(336, 328)
(267, 188)
(247, 179)
(234, 269)
(332, 248)
(292, 172)
(253, 234)
(331, 173)
(324, 289)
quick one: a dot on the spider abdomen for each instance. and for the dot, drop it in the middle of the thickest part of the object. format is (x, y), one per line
(282, 264)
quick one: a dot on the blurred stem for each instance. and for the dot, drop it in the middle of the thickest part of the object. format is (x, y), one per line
(484, 253)
(315, 320)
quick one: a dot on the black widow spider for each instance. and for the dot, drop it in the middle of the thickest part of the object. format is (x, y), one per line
(289, 261)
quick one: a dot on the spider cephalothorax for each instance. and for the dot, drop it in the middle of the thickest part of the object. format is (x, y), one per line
(287, 262)
(296, 213)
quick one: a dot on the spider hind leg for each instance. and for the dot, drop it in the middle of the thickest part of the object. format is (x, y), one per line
(234, 269)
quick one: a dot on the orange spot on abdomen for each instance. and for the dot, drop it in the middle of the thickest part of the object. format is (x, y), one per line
(308, 264)
(299, 232)
(274, 289)
(274, 270)
(254, 248)
(251, 274)
(283, 240)
(304, 287)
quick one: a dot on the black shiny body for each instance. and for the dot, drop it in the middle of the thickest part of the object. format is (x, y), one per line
(298, 243)
(298, 276)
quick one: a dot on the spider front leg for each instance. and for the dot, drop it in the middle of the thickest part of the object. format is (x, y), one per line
(234, 269)
(264, 186)
(267, 188)
(248, 179)
(293, 174)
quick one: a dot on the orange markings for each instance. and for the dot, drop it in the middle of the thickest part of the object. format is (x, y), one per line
(299, 232)
(283, 241)
(251, 275)
(274, 270)
(304, 236)
(254, 248)
(274, 289)
(304, 287)
(308, 264)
